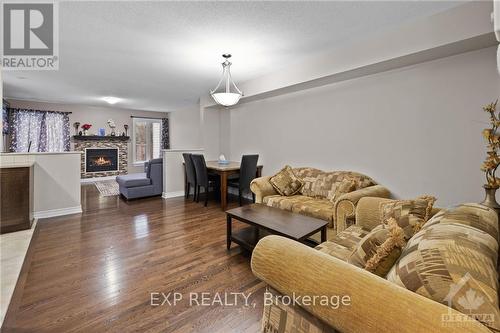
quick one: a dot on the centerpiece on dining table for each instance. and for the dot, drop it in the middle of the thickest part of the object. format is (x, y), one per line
(222, 160)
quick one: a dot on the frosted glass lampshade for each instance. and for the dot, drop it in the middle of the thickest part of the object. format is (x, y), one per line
(226, 93)
(226, 99)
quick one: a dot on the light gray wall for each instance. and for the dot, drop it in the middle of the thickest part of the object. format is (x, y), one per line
(213, 132)
(185, 131)
(97, 116)
(416, 130)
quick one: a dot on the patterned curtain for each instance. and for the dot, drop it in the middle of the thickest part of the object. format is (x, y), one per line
(5, 118)
(165, 134)
(38, 131)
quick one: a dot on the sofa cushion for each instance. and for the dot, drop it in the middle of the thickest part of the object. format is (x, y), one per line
(285, 182)
(343, 244)
(285, 203)
(156, 161)
(455, 264)
(305, 172)
(133, 180)
(329, 185)
(472, 214)
(301, 204)
(411, 215)
(319, 208)
(308, 177)
(380, 249)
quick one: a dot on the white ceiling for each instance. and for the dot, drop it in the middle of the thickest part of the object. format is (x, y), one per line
(163, 56)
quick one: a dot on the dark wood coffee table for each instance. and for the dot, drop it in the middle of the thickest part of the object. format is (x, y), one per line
(264, 220)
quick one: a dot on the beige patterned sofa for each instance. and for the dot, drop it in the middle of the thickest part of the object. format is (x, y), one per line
(445, 274)
(312, 198)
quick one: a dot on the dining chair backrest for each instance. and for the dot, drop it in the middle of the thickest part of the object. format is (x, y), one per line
(190, 172)
(200, 168)
(248, 170)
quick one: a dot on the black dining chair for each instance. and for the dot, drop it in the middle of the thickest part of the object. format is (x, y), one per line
(190, 175)
(248, 171)
(203, 179)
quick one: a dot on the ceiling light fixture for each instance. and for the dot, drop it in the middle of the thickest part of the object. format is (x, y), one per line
(111, 99)
(228, 94)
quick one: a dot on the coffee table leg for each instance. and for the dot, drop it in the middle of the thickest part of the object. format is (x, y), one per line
(228, 221)
(323, 234)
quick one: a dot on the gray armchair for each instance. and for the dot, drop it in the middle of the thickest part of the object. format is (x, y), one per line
(146, 184)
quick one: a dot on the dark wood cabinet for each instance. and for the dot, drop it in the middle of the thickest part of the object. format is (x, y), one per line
(16, 205)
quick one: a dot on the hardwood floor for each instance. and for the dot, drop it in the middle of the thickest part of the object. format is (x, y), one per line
(94, 272)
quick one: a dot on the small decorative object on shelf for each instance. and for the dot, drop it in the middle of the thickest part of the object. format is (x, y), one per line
(102, 132)
(85, 128)
(76, 125)
(492, 160)
(126, 129)
(80, 133)
(112, 125)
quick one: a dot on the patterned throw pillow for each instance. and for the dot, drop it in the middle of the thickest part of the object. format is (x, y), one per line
(345, 186)
(472, 214)
(454, 264)
(380, 249)
(410, 215)
(308, 177)
(285, 182)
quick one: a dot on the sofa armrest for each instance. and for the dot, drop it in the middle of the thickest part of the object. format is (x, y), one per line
(368, 212)
(345, 206)
(376, 305)
(261, 187)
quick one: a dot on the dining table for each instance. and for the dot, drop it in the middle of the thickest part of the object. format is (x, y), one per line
(224, 170)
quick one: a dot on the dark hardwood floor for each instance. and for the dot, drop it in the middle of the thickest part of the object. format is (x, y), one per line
(94, 272)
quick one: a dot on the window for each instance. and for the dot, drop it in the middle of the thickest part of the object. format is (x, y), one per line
(146, 137)
(39, 131)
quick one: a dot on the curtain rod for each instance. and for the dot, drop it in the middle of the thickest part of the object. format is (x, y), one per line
(147, 117)
(39, 110)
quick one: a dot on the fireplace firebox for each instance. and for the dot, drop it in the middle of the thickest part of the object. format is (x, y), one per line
(101, 159)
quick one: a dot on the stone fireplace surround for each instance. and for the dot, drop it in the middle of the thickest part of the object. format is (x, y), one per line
(82, 142)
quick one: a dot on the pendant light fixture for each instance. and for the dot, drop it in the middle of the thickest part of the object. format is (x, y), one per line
(226, 93)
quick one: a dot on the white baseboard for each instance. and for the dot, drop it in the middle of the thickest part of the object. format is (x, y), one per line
(166, 195)
(43, 214)
(96, 179)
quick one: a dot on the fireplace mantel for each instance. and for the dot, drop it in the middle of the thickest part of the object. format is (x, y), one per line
(100, 138)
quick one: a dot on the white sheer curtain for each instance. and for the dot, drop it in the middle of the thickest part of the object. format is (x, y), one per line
(54, 123)
(38, 131)
(28, 129)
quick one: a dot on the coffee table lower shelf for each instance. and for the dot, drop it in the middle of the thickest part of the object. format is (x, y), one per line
(248, 237)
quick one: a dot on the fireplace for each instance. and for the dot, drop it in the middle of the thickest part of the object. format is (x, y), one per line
(101, 159)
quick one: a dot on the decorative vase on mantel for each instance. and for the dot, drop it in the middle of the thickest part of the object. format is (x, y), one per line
(490, 198)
